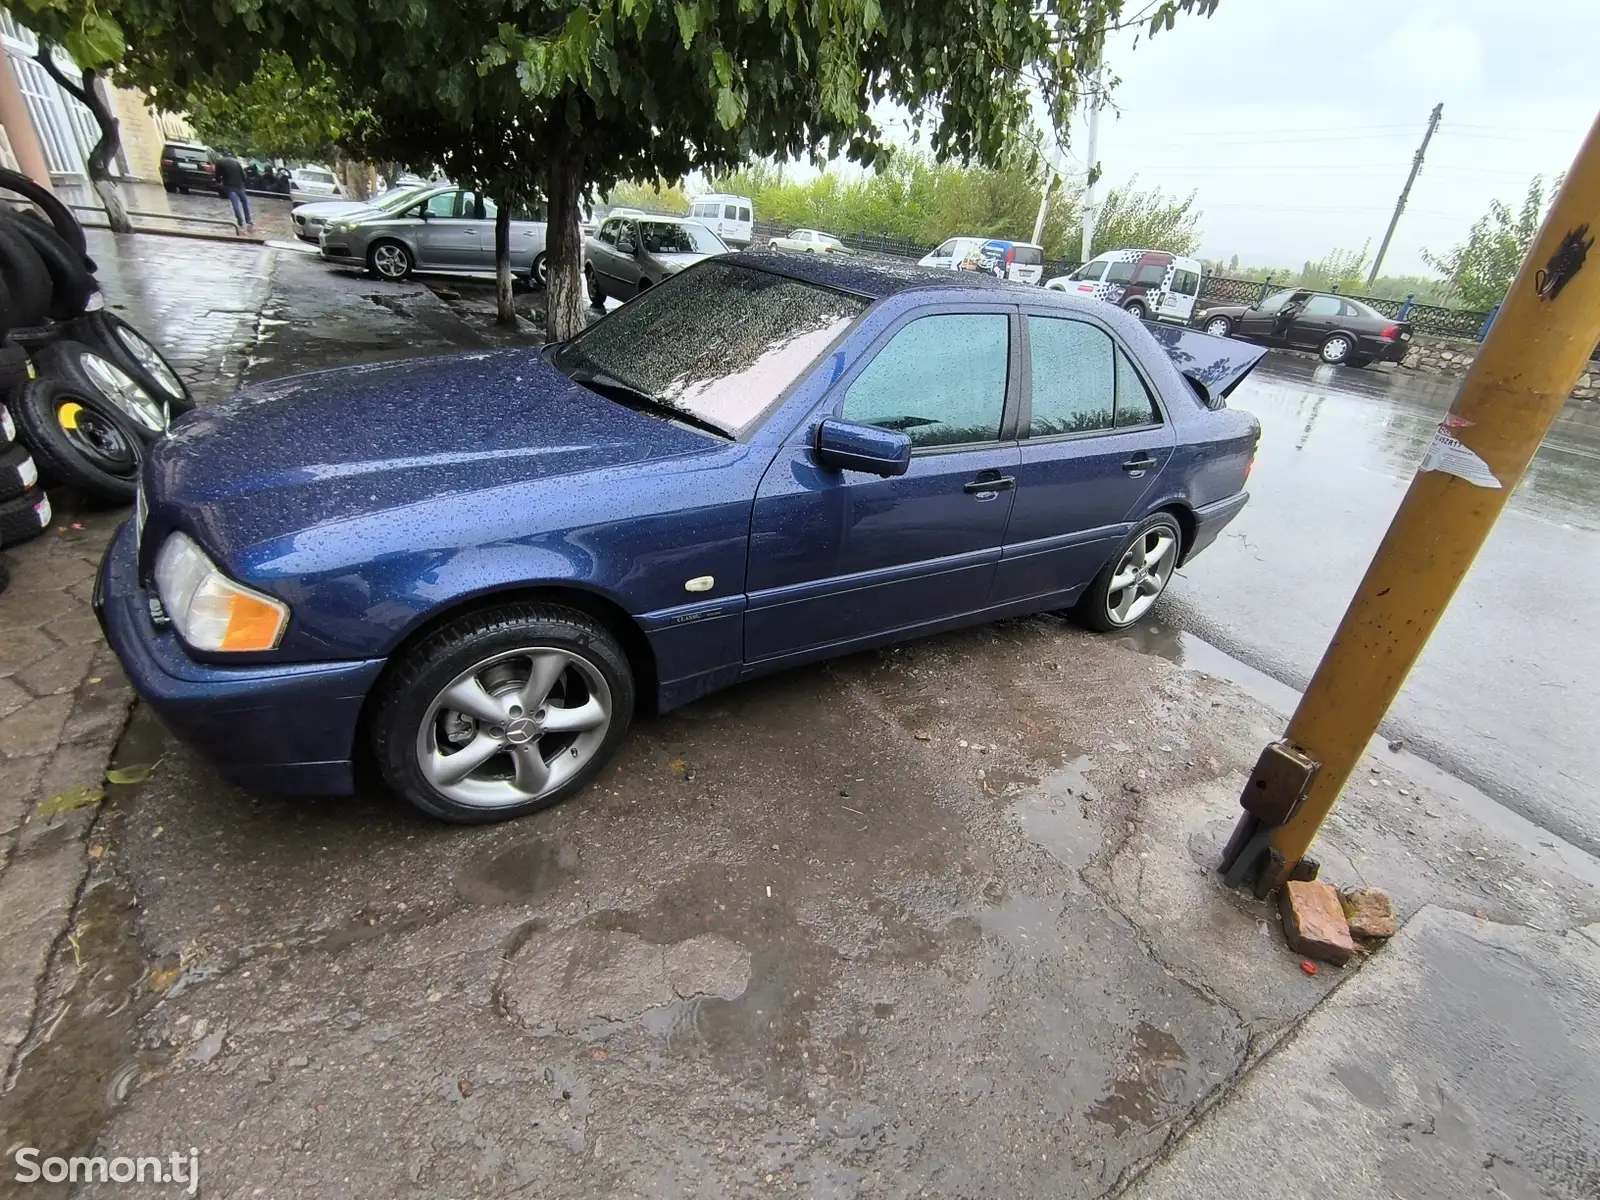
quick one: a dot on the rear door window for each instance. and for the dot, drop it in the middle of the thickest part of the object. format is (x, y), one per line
(1150, 275)
(608, 232)
(1185, 283)
(1134, 403)
(1074, 377)
(730, 212)
(1321, 306)
(744, 213)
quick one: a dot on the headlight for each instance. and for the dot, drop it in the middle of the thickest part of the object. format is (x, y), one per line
(211, 611)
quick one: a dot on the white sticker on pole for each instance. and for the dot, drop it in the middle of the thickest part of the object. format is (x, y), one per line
(1446, 453)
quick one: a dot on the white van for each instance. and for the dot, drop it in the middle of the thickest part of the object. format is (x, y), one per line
(729, 217)
(951, 253)
(1148, 283)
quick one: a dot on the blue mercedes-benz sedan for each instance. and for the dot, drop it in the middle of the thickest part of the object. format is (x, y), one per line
(475, 568)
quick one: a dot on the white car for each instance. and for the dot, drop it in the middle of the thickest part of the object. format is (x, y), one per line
(810, 241)
(310, 218)
(307, 184)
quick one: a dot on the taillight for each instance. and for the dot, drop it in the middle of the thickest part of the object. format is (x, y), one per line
(1391, 332)
(1011, 256)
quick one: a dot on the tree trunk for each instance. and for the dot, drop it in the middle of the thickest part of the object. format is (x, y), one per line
(98, 163)
(505, 311)
(564, 295)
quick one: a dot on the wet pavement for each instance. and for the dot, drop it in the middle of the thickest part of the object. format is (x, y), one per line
(1503, 694)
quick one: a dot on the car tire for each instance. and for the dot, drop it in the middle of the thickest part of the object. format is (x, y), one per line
(597, 296)
(71, 284)
(1358, 360)
(17, 472)
(5, 576)
(389, 259)
(171, 187)
(538, 273)
(24, 517)
(1145, 563)
(84, 367)
(111, 336)
(1137, 309)
(78, 437)
(26, 279)
(1219, 326)
(183, 189)
(643, 284)
(488, 657)
(1336, 349)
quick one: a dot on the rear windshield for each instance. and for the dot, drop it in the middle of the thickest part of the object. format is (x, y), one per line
(1028, 256)
(717, 342)
(188, 153)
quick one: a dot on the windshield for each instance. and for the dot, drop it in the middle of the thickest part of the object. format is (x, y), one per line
(717, 342)
(310, 176)
(669, 237)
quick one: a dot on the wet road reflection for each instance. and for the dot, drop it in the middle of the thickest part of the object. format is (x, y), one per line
(1502, 694)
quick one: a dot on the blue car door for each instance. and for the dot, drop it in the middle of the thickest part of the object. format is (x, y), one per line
(1093, 441)
(839, 557)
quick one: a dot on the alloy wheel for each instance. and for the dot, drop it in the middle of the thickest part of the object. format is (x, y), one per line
(148, 357)
(117, 386)
(390, 261)
(1142, 575)
(514, 727)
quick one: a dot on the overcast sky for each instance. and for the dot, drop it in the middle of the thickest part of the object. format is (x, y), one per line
(1295, 120)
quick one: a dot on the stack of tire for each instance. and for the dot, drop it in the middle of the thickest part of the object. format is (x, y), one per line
(83, 391)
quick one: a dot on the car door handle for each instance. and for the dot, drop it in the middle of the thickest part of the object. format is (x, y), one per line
(1139, 465)
(990, 484)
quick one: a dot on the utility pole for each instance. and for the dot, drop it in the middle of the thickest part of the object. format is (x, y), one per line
(1534, 352)
(1091, 207)
(1400, 204)
(1044, 205)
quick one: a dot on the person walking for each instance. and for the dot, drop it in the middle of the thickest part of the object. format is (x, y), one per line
(230, 175)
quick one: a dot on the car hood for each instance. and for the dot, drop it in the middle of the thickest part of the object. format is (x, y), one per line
(1216, 364)
(330, 208)
(337, 446)
(673, 263)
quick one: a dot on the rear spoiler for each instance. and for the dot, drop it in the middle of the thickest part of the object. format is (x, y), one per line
(1214, 366)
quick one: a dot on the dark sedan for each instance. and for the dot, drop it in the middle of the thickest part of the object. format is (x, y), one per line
(472, 569)
(1341, 330)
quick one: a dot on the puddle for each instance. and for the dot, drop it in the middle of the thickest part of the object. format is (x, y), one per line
(1057, 815)
(519, 874)
(1150, 1091)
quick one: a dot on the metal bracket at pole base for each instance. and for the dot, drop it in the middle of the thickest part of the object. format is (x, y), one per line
(1273, 792)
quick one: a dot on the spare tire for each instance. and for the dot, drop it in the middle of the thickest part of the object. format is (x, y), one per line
(71, 284)
(14, 369)
(26, 279)
(136, 354)
(25, 517)
(17, 472)
(85, 368)
(77, 436)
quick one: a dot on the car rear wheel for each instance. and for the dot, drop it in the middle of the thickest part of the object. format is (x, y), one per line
(1137, 308)
(597, 297)
(503, 712)
(389, 260)
(1219, 327)
(539, 273)
(1336, 349)
(1358, 360)
(1134, 578)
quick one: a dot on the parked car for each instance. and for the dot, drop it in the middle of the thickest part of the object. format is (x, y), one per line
(309, 184)
(443, 228)
(810, 241)
(476, 568)
(731, 218)
(186, 165)
(1020, 262)
(1342, 330)
(310, 218)
(951, 253)
(1148, 283)
(628, 254)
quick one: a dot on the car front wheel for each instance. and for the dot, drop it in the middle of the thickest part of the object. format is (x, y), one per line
(1336, 349)
(1219, 327)
(503, 712)
(1133, 579)
(389, 260)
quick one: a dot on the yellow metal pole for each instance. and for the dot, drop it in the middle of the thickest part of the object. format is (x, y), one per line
(1547, 328)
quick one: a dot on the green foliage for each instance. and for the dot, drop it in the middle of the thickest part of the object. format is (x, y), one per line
(1479, 271)
(660, 196)
(1337, 271)
(91, 35)
(918, 199)
(281, 112)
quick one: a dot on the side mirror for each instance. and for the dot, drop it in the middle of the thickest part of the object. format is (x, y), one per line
(625, 245)
(851, 446)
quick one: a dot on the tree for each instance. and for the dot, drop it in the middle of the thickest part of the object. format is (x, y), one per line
(1480, 269)
(1129, 217)
(605, 90)
(1336, 271)
(281, 112)
(94, 41)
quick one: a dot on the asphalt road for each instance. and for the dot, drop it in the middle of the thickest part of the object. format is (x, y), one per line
(1504, 693)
